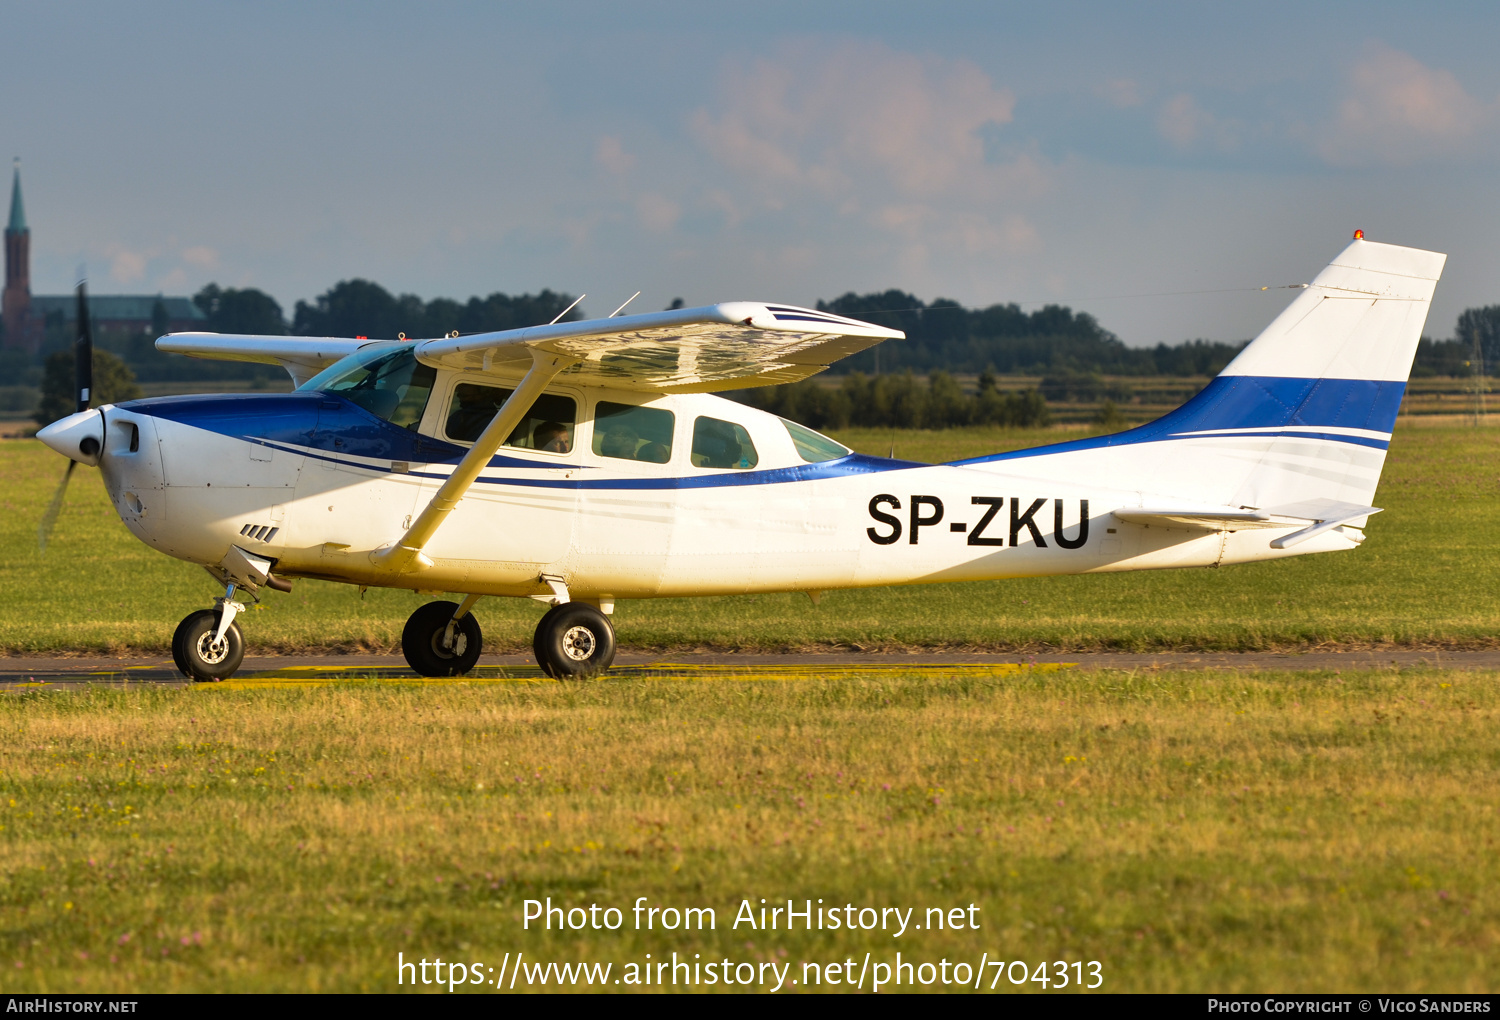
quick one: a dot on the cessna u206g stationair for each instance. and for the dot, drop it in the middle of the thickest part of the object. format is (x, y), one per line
(582, 463)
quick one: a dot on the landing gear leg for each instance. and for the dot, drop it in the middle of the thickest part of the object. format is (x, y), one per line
(207, 645)
(574, 641)
(443, 638)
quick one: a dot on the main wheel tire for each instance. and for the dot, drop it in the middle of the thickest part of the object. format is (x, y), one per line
(197, 654)
(422, 641)
(177, 647)
(574, 641)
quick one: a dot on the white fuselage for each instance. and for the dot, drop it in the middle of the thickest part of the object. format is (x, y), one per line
(319, 503)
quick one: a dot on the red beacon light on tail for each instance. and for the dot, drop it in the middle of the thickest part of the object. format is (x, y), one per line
(1359, 235)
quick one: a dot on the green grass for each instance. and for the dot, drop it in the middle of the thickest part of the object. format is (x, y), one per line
(1427, 575)
(1190, 831)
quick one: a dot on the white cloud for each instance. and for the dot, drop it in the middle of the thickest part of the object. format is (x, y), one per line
(1121, 92)
(860, 132)
(611, 155)
(657, 214)
(1397, 110)
(177, 279)
(127, 266)
(829, 119)
(1182, 121)
(201, 257)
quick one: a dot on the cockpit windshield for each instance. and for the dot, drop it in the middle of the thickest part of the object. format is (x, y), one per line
(386, 380)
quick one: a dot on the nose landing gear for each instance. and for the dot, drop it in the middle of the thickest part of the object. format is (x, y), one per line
(207, 645)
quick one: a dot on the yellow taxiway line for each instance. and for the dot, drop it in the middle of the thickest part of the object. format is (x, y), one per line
(304, 676)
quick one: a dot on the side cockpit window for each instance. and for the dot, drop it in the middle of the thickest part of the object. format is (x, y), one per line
(630, 432)
(390, 384)
(547, 426)
(722, 444)
(814, 447)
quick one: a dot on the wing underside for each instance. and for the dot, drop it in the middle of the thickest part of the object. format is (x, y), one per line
(302, 356)
(689, 350)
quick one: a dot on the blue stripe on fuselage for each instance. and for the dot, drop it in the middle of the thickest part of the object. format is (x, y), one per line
(329, 427)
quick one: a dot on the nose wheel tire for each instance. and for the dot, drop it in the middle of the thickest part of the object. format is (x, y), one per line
(574, 641)
(199, 656)
(422, 641)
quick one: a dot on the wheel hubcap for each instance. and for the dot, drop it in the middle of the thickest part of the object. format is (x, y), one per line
(578, 643)
(212, 652)
(460, 644)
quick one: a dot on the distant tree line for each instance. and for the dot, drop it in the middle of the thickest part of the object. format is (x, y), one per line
(884, 386)
(350, 308)
(1477, 331)
(113, 382)
(362, 308)
(1002, 338)
(902, 400)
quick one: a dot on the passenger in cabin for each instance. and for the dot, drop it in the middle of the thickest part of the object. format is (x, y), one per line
(715, 445)
(654, 453)
(620, 440)
(553, 437)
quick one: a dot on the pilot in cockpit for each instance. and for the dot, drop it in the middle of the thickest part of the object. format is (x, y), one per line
(553, 437)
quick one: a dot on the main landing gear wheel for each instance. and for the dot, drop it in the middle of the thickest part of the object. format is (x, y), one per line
(428, 647)
(198, 655)
(574, 641)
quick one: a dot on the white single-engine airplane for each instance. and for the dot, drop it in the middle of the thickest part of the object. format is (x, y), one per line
(581, 463)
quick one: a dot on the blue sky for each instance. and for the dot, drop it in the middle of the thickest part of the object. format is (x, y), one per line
(1101, 155)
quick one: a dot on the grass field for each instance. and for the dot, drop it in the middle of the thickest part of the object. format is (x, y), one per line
(1428, 575)
(1189, 831)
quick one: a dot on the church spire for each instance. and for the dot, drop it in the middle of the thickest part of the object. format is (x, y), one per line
(17, 210)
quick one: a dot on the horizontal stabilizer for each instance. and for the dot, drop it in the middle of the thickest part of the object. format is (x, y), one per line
(1326, 514)
(1319, 515)
(1209, 520)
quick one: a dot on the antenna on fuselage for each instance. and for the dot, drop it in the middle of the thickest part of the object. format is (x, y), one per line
(617, 311)
(568, 309)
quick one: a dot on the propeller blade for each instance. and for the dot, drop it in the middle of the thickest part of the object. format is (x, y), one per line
(83, 351)
(49, 519)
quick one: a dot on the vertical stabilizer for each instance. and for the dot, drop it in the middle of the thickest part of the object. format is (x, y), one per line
(1326, 378)
(1304, 413)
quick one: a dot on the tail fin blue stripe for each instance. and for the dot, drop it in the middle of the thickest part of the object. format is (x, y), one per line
(1258, 402)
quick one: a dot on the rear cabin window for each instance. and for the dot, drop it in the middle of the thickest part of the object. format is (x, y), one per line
(814, 447)
(547, 426)
(722, 444)
(630, 432)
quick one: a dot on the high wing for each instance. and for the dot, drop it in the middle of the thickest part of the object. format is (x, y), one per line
(687, 350)
(1317, 516)
(302, 356)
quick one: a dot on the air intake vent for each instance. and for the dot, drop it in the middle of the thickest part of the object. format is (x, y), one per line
(259, 532)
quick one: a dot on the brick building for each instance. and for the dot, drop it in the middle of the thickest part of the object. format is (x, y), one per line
(24, 315)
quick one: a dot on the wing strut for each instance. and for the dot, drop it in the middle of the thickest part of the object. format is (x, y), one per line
(406, 555)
